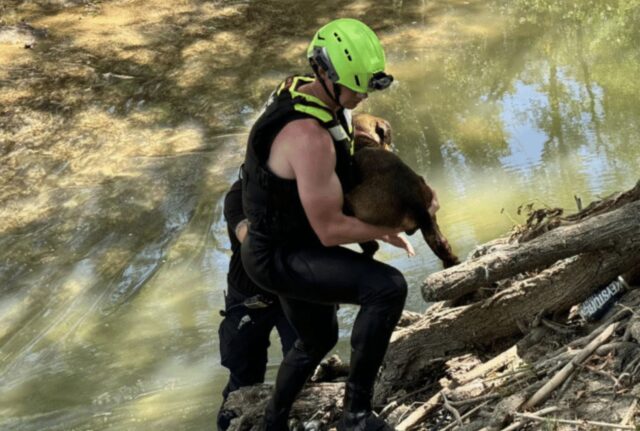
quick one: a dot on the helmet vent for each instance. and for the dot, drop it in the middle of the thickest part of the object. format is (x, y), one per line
(337, 37)
(357, 80)
(346, 51)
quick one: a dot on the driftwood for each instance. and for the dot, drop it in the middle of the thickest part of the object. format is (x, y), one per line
(595, 208)
(609, 230)
(503, 386)
(318, 405)
(545, 391)
(568, 267)
(450, 331)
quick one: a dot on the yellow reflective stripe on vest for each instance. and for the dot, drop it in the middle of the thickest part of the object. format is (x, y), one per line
(294, 84)
(319, 113)
(305, 96)
(314, 111)
(280, 88)
(337, 132)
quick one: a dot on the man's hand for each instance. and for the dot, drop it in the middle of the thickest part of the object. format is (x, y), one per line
(241, 230)
(400, 242)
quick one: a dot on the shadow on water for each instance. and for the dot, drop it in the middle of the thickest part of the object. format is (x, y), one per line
(121, 131)
(111, 176)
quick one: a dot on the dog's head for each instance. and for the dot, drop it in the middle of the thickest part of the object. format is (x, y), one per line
(371, 132)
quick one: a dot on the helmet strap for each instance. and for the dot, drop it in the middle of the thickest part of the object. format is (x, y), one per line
(336, 88)
(336, 92)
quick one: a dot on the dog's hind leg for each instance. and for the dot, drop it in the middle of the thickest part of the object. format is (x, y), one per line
(430, 229)
(438, 243)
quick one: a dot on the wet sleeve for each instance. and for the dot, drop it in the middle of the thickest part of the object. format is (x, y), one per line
(233, 213)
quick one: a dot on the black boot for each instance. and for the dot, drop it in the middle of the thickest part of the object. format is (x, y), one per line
(224, 419)
(275, 420)
(358, 415)
(362, 421)
(357, 398)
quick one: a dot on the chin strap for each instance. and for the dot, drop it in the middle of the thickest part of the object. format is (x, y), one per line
(336, 88)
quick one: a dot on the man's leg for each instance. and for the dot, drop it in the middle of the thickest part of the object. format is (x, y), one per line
(317, 328)
(338, 275)
(287, 334)
(244, 341)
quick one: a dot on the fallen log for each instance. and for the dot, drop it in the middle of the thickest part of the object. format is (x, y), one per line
(320, 402)
(497, 389)
(452, 330)
(536, 228)
(610, 230)
(445, 331)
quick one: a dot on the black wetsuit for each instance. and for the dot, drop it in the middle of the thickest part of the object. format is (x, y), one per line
(283, 255)
(244, 332)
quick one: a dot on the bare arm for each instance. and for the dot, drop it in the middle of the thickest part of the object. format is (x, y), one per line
(304, 150)
(234, 213)
(241, 230)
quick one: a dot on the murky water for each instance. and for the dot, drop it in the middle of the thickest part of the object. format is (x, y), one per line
(120, 132)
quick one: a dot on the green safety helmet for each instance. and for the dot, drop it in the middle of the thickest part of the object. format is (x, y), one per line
(351, 54)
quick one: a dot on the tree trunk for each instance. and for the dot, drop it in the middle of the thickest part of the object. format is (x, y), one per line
(449, 331)
(610, 230)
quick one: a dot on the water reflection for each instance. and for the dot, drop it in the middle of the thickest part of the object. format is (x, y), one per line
(121, 132)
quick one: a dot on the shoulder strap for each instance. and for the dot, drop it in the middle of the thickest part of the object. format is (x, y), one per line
(341, 131)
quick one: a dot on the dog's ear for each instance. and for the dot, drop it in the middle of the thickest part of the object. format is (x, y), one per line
(372, 131)
(383, 130)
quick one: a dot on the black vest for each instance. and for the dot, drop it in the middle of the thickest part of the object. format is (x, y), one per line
(271, 203)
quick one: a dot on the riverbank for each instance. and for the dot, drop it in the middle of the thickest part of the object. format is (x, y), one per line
(123, 123)
(512, 343)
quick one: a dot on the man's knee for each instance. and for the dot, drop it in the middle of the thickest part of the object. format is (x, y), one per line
(400, 288)
(389, 288)
(320, 345)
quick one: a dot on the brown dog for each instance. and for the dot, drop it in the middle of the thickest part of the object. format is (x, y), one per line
(390, 193)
